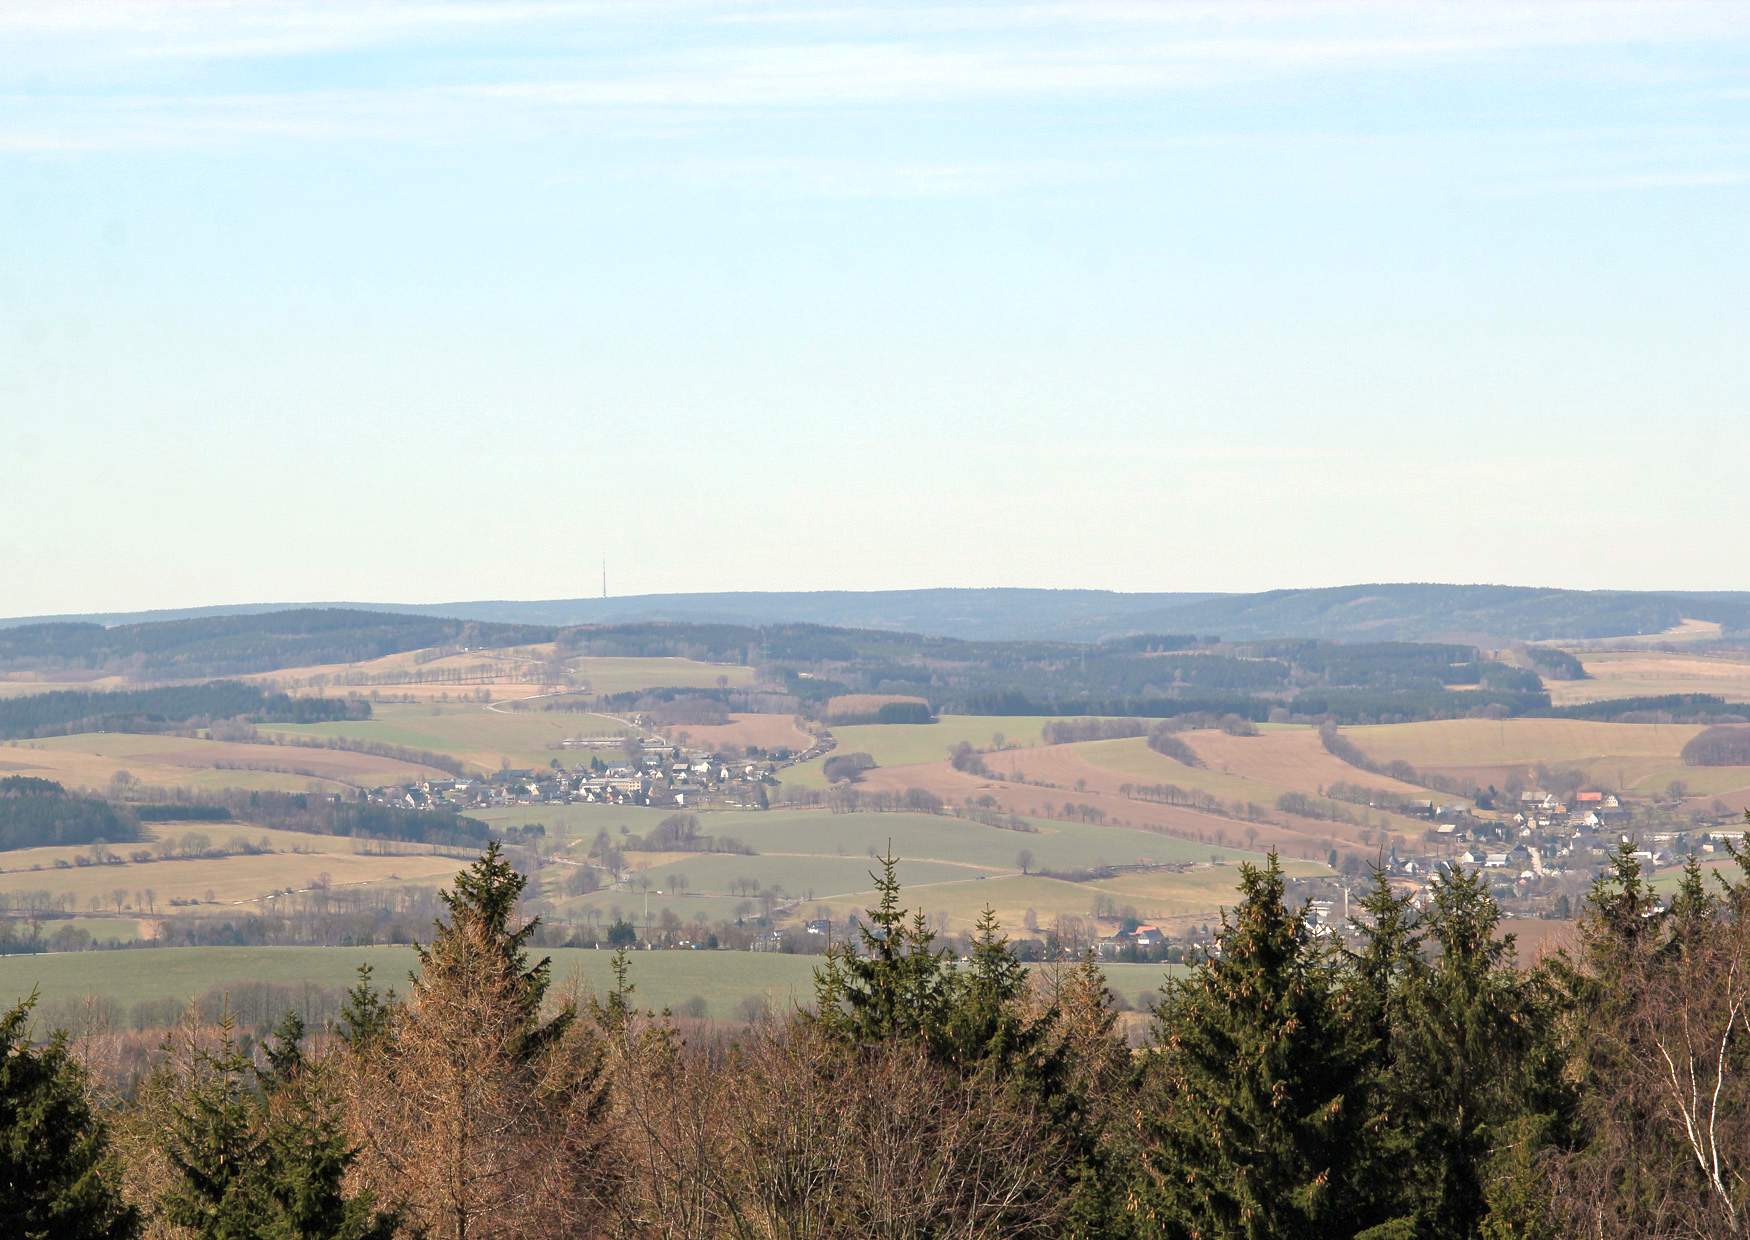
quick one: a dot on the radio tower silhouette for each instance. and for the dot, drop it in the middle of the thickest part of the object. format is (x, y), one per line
(604, 576)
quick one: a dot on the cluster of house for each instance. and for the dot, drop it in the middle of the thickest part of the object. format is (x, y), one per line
(657, 774)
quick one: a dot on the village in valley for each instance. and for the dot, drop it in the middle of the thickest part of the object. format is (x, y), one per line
(648, 772)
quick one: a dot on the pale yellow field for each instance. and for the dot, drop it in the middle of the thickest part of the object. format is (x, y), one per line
(233, 880)
(1615, 755)
(1195, 895)
(91, 760)
(491, 670)
(1688, 630)
(1650, 673)
(1277, 761)
(766, 731)
(908, 744)
(615, 675)
(482, 735)
(220, 835)
(512, 672)
(20, 684)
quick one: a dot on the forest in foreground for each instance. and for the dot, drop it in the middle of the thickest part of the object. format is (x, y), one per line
(1409, 1080)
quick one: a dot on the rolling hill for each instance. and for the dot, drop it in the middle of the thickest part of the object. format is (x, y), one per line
(1394, 612)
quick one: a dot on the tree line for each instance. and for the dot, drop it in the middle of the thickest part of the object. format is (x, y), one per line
(36, 813)
(232, 645)
(1719, 746)
(69, 711)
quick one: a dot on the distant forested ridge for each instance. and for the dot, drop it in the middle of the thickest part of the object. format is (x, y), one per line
(68, 711)
(1372, 612)
(37, 813)
(232, 644)
(1149, 677)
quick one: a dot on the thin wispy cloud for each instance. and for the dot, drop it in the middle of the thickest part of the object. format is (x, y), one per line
(199, 74)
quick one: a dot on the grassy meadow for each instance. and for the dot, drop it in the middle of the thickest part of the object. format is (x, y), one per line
(93, 759)
(175, 886)
(908, 744)
(823, 862)
(485, 736)
(1652, 673)
(209, 884)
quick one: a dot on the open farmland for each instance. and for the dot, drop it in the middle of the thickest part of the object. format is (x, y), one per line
(1292, 757)
(1254, 769)
(1103, 803)
(662, 979)
(105, 930)
(1652, 673)
(940, 837)
(602, 674)
(1624, 756)
(1683, 632)
(16, 684)
(907, 744)
(578, 821)
(1175, 898)
(821, 859)
(421, 674)
(768, 732)
(91, 760)
(473, 732)
(164, 837)
(206, 884)
(510, 672)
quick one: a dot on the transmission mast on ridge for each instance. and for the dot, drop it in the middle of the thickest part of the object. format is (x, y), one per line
(604, 576)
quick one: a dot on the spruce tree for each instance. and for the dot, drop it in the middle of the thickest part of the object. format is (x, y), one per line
(216, 1149)
(1467, 1050)
(1251, 1107)
(365, 1013)
(1693, 909)
(477, 942)
(55, 1181)
(284, 1053)
(1380, 977)
(899, 985)
(481, 1114)
(984, 1024)
(1097, 1064)
(308, 1154)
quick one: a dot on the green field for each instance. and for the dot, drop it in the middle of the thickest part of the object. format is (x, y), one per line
(101, 929)
(662, 979)
(950, 865)
(938, 837)
(581, 821)
(905, 744)
(483, 738)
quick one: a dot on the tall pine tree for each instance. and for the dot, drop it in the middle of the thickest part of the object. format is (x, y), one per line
(55, 1180)
(1251, 1107)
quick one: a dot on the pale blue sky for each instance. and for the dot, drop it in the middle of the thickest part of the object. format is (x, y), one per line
(423, 300)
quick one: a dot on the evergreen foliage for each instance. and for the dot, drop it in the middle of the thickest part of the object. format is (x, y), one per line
(55, 1181)
(1255, 1100)
(262, 1153)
